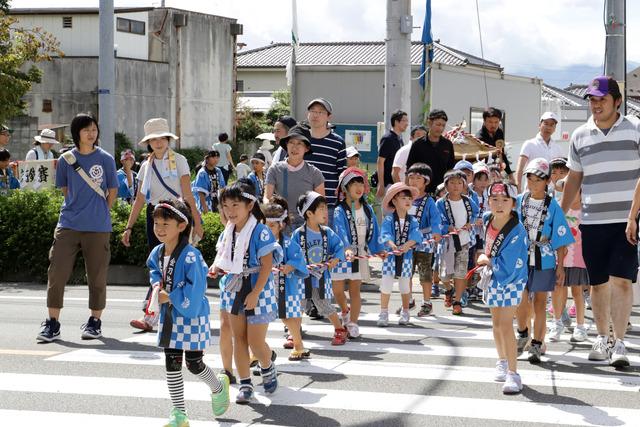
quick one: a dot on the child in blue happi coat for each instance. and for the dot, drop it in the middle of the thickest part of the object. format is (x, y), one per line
(400, 232)
(257, 176)
(458, 214)
(425, 211)
(549, 233)
(354, 221)
(247, 251)
(323, 249)
(504, 277)
(179, 277)
(208, 183)
(7, 180)
(127, 177)
(289, 280)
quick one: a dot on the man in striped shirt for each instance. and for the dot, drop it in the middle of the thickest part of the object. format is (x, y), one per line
(328, 151)
(604, 158)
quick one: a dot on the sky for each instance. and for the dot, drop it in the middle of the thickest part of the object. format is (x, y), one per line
(561, 41)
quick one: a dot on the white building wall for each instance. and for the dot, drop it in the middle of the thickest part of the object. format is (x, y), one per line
(262, 79)
(83, 38)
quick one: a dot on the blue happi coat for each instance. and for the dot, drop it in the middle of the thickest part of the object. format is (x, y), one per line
(388, 235)
(509, 266)
(202, 184)
(258, 184)
(341, 225)
(124, 191)
(556, 232)
(189, 305)
(335, 249)
(261, 243)
(444, 219)
(294, 257)
(428, 223)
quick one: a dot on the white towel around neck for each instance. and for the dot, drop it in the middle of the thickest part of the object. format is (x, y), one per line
(223, 256)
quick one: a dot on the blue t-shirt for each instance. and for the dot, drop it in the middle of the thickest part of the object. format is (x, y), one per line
(84, 209)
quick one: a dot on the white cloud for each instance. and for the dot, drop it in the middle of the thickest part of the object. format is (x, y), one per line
(520, 35)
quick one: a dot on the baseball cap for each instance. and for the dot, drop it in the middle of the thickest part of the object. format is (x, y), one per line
(288, 121)
(503, 189)
(326, 104)
(538, 167)
(549, 115)
(127, 154)
(463, 165)
(5, 128)
(603, 85)
(352, 151)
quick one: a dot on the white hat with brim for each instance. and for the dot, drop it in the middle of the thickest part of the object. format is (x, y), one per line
(395, 189)
(156, 128)
(47, 136)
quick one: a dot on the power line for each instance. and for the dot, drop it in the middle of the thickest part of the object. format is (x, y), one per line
(484, 73)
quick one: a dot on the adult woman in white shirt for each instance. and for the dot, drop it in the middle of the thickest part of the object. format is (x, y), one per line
(42, 145)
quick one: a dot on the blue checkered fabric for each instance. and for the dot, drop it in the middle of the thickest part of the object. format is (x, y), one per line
(504, 296)
(188, 333)
(389, 266)
(342, 268)
(294, 306)
(267, 301)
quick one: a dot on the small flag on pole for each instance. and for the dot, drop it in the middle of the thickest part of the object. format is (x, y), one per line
(427, 41)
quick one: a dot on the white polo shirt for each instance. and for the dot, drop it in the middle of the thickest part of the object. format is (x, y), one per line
(537, 147)
(400, 160)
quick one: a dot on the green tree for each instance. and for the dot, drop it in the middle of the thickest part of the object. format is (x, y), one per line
(281, 106)
(20, 48)
(249, 125)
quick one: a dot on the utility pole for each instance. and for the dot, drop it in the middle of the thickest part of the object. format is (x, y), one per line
(397, 68)
(615, 61)
(106, 78)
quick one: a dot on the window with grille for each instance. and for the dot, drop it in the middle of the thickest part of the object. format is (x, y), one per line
(239, 85)
(67, 22)
(130, 26)
(47, 106)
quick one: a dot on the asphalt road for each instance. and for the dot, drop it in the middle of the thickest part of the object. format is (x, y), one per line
(437, 372)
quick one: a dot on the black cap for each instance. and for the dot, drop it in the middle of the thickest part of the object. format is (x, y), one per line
(298, 132)
(288, 121)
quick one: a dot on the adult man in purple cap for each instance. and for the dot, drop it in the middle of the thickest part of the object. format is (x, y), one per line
(604, 159)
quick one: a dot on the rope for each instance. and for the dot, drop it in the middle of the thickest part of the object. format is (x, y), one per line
(484, 73)
(326, 264)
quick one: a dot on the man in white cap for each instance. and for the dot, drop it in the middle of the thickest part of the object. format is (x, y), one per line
(42, 146)
(5, 135)
(541, 146)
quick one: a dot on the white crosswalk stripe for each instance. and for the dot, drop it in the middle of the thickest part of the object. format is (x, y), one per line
(447, 351)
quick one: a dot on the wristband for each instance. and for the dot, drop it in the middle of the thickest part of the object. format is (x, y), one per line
(128, 228)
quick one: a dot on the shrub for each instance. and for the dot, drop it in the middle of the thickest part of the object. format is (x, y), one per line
(193, 155)
(28, 220)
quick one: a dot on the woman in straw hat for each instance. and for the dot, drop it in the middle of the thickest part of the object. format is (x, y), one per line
(42, 146)
(164, 176)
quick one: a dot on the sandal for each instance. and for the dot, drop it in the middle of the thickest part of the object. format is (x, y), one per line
(288, 344)
(295, 355)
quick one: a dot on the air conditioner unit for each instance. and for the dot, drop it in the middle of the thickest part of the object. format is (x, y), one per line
(179, 20)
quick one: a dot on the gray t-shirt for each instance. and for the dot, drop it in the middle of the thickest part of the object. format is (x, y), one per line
(307, 178)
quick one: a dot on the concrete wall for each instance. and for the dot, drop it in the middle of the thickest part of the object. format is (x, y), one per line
(82, 39)
(262, 79)
(201, 59)
(142, 91)
(457, 90)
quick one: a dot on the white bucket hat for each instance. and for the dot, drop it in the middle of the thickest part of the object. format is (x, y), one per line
(47, 136)
(156, 128)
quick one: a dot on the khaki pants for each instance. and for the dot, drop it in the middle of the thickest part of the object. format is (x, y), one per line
(62, 257)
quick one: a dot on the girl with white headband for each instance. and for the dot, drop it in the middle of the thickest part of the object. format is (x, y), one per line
(289, 280)
(356, 223)
(247, 251)
(179, 277)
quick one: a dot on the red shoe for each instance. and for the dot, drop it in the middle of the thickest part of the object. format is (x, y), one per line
(448, 299)
(339, 337)
(141, 324)
(288, 344)
(457, 308)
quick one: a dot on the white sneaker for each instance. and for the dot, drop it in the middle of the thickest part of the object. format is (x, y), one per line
(404, 317)
(383, 319)
(579, 334)
(501, 370)
(555, 331)
(619, 357)
(353, 329)
(512, 384)
(344, 318)
(600, 349)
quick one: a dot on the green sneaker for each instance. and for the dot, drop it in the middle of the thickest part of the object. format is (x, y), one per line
(220, 401)
(177, 419)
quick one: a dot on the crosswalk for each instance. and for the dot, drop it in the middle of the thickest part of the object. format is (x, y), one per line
(440, 367)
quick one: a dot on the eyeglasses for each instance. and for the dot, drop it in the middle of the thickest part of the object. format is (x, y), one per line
(317, 112)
